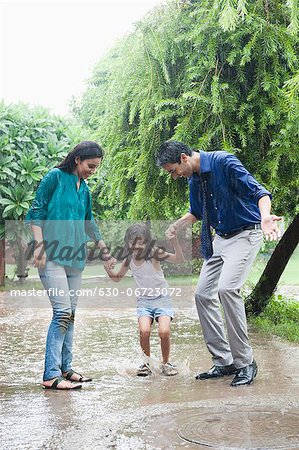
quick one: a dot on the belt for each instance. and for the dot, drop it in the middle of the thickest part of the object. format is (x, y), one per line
(253, 226)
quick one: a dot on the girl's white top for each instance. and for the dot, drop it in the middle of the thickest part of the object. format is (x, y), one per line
(149, 281)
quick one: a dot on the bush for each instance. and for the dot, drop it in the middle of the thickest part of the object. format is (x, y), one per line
(281, 310)
(280, 317)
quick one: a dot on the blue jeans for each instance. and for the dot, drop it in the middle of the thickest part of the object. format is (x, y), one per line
(61, 283)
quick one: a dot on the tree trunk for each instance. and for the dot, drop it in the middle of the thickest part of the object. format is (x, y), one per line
(2, 262)
(260, 296)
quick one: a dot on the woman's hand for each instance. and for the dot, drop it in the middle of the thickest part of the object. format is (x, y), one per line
(106, 257)
(108, 269)
(110, 263)
(39, 257)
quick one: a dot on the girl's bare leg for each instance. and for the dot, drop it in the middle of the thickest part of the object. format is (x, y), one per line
(164, 334)
(145, 324)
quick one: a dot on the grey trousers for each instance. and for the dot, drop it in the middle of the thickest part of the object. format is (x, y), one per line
(221, 278)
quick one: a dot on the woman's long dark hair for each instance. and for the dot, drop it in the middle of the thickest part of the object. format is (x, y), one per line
(85, 150)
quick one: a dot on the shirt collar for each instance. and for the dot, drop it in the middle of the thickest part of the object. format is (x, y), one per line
(204, 162)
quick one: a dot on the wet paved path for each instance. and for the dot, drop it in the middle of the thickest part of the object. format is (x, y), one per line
(121, 411)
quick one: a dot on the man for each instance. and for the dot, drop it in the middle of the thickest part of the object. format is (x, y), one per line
(224, 195)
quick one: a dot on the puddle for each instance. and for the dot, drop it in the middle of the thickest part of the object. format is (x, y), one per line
(254, 430)
(122, 411)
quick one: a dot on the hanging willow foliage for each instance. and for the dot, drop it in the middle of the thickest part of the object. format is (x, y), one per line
(218, 75)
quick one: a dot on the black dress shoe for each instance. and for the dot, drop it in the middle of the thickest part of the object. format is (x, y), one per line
(217, 372)
(245, 375)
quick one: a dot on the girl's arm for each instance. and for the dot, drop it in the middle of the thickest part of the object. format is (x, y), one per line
(117, 276)
(177, 257)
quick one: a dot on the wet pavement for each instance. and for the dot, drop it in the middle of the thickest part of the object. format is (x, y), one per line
(119, 410)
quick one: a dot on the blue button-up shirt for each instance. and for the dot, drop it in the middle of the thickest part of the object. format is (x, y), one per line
(232, 192)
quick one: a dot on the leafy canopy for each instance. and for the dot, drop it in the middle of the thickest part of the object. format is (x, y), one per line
(31, 142)
(218, 75)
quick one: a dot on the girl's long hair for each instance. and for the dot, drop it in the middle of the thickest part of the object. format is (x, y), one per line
(85, 150)
(134, 232)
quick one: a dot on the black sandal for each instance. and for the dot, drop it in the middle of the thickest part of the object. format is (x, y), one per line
(82, 379)
(58, 380)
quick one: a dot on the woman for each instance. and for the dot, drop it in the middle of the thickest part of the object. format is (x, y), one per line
(62, 223)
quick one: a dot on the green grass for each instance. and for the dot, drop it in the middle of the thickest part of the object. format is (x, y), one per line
(280, 317)
(289, 276)
(29, 284)
(285, 330)
(89, 271)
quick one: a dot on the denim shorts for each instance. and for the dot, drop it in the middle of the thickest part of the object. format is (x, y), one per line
(154, 308)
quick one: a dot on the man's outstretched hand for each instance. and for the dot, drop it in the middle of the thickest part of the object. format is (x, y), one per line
(171, 232)
(270, 227)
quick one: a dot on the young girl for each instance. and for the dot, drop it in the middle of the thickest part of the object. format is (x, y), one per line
(153, 300)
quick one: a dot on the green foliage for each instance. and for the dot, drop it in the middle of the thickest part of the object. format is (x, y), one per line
(16, 201)
(280, 317)
(219, 75)
(132, 109)
(31, 142)
(280, 309)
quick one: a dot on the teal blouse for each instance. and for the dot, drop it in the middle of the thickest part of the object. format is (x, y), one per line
(64, 213)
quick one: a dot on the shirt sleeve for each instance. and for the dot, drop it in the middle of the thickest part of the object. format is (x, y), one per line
(195, 200)
(242, 183)
(194, 213)
(37, 214)
(91, 228)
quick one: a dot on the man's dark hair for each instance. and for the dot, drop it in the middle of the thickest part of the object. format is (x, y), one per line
(170, 152)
